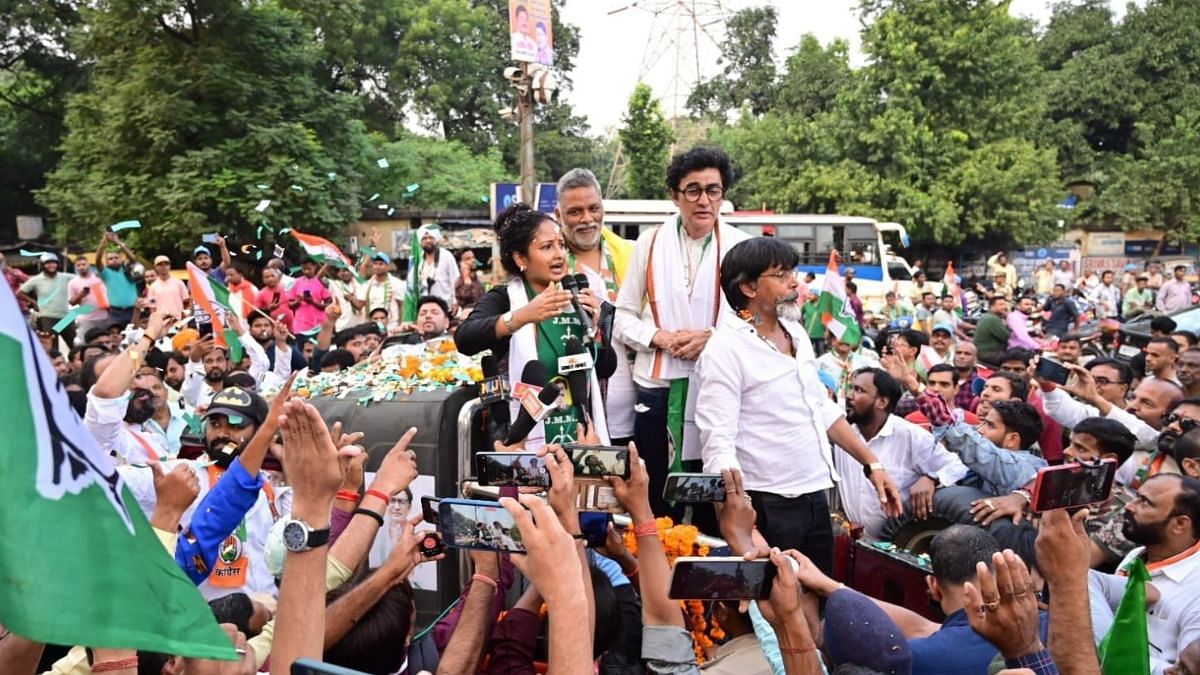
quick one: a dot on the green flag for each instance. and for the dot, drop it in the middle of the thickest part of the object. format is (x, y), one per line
(80, 564)
(1126, 648)
(414, 270)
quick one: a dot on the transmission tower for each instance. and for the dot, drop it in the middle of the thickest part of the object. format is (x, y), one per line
(687, 35)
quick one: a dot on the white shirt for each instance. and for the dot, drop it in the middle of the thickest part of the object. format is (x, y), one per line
(634, 323)
(195, 389)
(388, 294)
(907, 452)
(341, 290)
(1064, 277)
(133, 443)
(764, 412)
(259, 521)
(443, 272)
(1174, 621)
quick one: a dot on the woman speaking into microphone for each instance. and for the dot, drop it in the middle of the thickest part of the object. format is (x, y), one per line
(533, 318)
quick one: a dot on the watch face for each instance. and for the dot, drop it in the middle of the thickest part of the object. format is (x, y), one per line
(295, 536)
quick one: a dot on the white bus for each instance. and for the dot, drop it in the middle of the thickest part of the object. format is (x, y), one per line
(867, 246)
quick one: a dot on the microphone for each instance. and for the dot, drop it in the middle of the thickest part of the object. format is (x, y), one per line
(571, 283)
(491, 392)
(577, 379)
(533, 408)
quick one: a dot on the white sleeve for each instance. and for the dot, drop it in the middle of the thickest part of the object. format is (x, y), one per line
(193, 383)
(1147, 436)
(259, 363)
(1065, 409)
(283, 362)
(718, 407)
(104, 418)
(629, 326)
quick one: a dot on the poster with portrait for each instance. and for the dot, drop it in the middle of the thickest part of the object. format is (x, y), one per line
(404, 506)
(530, 31)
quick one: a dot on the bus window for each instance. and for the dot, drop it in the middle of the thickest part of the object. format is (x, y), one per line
(898, 272)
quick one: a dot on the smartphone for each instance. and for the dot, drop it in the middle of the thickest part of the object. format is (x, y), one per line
(205, 329)
(694, 488)
(1071, 486)
(721, 579)
(1052, 370)
(468, 523)
(519, 469)
(595, 528)
(208, 238)
(599, 461)
(429, 509)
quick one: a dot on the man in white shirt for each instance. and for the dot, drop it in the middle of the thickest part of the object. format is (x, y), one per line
(1106, 297)
(1064, 275)
(438, 270)
(383, 291)
(1165, 520)
(907, 451)
(840, 361)
(345, 292)
(762, 409)
(668, 307)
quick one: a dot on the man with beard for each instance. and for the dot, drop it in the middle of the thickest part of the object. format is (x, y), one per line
(118, 281)
(1143, 414)
(87, 288)
(1187, 369)
(433, 321)
(209, 363)
(122, 401)
(907, 452)
(756, 384)
(1018, 325)
(345, 292)
(603, 256)
(382, 291)
(1165, 521)
(272, 337)
(438, 270)
(47, 293)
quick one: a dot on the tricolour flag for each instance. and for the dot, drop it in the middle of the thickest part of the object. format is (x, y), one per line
(833, 309)
(1126, 648)
(215, 300)
(80, 564)
(322, 250)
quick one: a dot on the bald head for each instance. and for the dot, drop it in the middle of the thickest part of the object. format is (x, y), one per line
(1153, 399)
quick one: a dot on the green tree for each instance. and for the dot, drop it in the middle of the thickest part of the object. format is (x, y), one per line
(191, 107)
(813, 77)
(442, 174)
(645, 138)
(748, 78)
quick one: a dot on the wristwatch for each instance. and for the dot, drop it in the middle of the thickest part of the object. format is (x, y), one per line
(868, 469)
(298, 536)
(507, 318)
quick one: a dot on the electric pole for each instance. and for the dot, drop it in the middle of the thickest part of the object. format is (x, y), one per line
(532, 83)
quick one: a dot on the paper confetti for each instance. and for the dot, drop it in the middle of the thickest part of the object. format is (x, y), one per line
(126, 225)
(383, 163)
(262, 205)
(278, 251)
(263, 186)
(373, 197)
(284, 230)
(258, 234)
(413, 187)
(30, 254)
(383, 207)
(332, 175)
(298, 188)
(391, 211)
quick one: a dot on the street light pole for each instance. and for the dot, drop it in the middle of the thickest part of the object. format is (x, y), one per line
(525, 118)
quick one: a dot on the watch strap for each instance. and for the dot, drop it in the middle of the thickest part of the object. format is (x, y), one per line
(317, 538)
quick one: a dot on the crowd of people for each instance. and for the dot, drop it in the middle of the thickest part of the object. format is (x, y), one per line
(703, 355)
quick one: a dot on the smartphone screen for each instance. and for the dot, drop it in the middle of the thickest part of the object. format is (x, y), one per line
(599, 461)
(1052, 370)
(692, 488)
(721, 579)
(1070, 486)
(595, 528)
(519, 469)
(208, 238)
(205, 329)
(466, 523)
(429, 509)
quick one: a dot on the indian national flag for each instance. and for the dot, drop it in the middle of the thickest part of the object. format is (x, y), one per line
(80, 563)
(215, 300)
(322, 250)
(833, 310)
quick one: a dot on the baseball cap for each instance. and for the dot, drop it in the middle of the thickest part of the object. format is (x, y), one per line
(238, 404)
(944, 327)
(48, 257)
(859, 632)
(381, 256)
(201, 249)
(162, 259)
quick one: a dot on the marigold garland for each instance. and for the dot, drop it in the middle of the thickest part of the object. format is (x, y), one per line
(680, 540)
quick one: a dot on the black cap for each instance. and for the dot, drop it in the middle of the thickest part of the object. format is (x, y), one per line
(239, 402)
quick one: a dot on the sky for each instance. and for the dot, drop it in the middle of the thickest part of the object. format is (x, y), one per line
(620, 46)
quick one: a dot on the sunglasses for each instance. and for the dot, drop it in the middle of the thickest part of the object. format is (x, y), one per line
(1185, 423)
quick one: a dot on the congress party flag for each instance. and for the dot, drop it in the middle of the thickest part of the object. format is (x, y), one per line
(322, 250)
(80, 564)
(1126, 648)
(833, 309)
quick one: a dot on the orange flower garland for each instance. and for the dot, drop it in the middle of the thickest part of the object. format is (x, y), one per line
(680, 540)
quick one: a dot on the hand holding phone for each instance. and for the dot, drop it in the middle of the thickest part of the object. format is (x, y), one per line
(1073, 486)
(1052, 371)
(716, 578)
(599, 461)
(694, 488)
(512, 469)
(469, 523)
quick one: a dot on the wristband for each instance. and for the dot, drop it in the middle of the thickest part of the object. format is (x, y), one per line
(380, 495)
(485, 579)
(348, 495)
(122, 664)
(368, 512)
(646, 529)
(798, 650)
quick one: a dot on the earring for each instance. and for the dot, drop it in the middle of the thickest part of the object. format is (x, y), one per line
(522, 268)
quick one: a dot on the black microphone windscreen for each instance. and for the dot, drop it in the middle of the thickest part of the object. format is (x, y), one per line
(569, 283)
(535, 374)
(582, 281)
(489, 366)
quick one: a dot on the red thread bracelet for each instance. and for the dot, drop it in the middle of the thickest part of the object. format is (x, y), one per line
(122, 664)
(348, 495)
(485, 579)
(377, 494)
(646, 529)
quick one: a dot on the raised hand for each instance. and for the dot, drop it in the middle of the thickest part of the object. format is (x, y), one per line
(1003, 607)
(314, 471)
(398, 468)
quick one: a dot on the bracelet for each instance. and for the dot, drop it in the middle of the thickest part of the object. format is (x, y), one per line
(348, 495)
(485, 579)
(369, 512)
(122, 664)
(1026, 494)
(387, 499)
(646, 529)
(797, 650)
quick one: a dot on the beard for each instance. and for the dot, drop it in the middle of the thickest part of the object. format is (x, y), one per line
(789, 308)
(1143, 534)
(214, 375)
(1166, 442)
(141, 406)
(429, 249)
(222, 451)
(855, 417)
